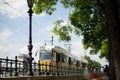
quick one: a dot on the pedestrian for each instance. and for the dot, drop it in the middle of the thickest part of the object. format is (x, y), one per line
(106, 71)
(95, 75)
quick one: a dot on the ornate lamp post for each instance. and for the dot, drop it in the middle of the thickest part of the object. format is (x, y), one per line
(30, 46)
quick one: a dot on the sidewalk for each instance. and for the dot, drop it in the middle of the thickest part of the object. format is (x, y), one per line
(101, 78)
(96, 76)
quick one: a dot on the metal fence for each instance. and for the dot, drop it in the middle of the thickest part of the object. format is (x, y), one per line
(10, 67)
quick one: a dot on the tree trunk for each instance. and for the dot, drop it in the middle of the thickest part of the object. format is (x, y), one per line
(113, 28)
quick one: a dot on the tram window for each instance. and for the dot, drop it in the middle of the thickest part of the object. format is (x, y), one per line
(45, 55)
(77, 63)
(72, 61)
(54, 56)
(64, 58)
(58, 57)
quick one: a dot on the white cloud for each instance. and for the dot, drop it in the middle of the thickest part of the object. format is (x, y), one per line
(78, 48)
(7, 45)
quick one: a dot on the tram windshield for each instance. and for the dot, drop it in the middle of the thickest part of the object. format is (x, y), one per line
(45, 55)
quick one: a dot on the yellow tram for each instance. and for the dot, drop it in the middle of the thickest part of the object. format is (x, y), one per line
(55, 60)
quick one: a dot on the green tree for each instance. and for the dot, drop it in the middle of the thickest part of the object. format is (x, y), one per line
(92, 64)
(104, 49)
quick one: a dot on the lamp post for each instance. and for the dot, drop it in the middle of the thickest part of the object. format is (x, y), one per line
(30, 46)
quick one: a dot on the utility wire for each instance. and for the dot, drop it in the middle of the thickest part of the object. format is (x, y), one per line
(8, 24)
(25, 16)
(11, 25)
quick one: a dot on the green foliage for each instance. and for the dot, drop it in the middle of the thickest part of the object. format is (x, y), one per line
(67, 3)
(104, 49)
(87, 58)
(92, 63)
(44, 5)
(89, 19)
(63, 31)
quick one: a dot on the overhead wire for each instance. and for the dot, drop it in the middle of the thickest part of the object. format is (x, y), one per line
(10, 25)
(27, 17)
(13, 27)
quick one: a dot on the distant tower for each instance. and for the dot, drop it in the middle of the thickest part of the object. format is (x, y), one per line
(49, 42)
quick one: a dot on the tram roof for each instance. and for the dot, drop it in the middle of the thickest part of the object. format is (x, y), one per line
(63, 51)
(58, 49)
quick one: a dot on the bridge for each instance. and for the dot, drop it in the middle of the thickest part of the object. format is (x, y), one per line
(13, 69)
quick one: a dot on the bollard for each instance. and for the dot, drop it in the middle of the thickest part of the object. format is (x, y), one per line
(6, 69)
(39, 67)
(16, 73)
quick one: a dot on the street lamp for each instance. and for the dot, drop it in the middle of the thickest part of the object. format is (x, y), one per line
(30, 46)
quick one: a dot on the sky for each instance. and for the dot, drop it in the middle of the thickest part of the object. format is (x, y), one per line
(14, 30)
